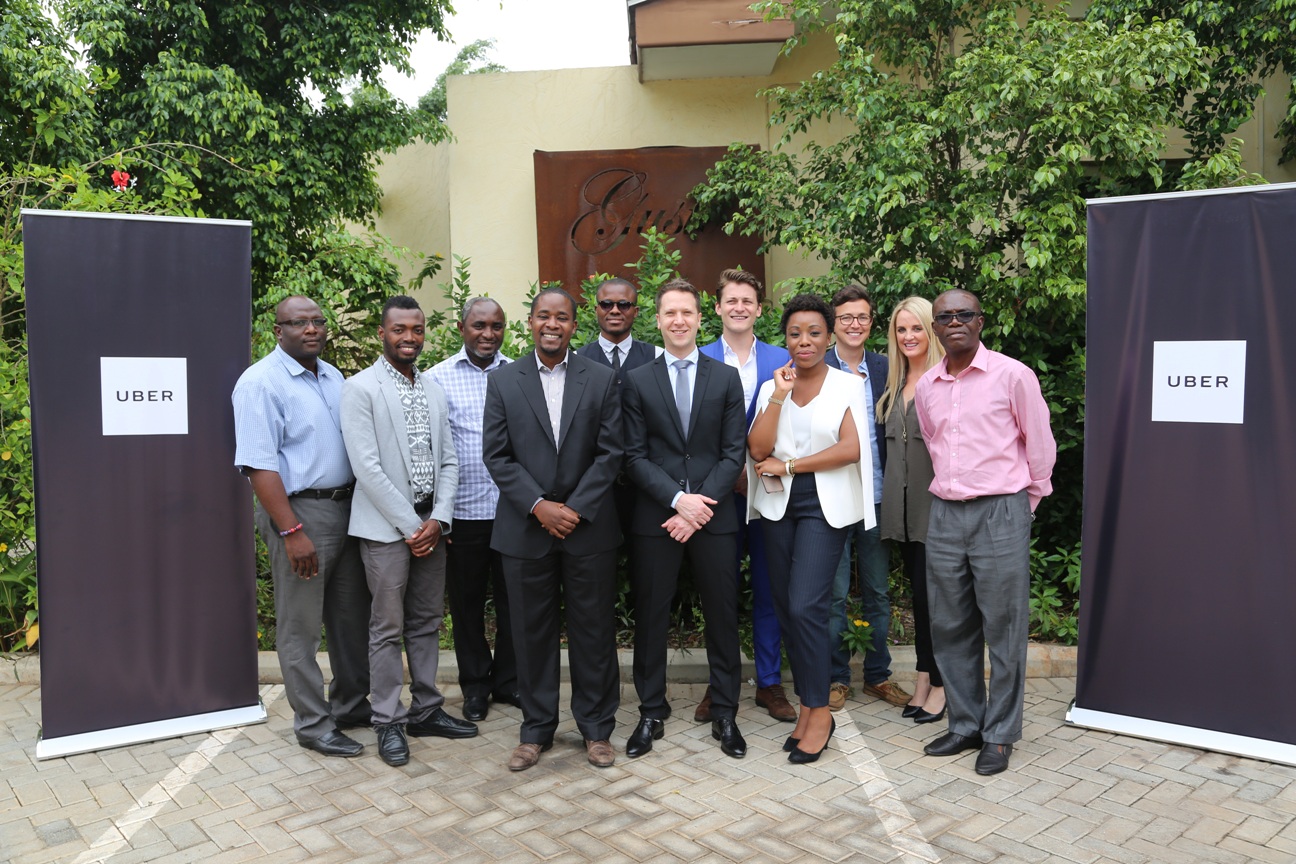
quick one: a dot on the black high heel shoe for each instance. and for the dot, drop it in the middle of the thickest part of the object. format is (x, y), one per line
(801, 757)
(928, 717)
(911, 711)
(790, 744)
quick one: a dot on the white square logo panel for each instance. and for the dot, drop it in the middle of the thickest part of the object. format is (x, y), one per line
(1198, 382)
(144, 395)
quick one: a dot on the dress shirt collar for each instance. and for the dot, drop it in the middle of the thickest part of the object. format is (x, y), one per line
(540, 365)
(607, 345)
(980, 360)
(462, 356)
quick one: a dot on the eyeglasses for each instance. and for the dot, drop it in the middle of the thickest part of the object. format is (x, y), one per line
(963, 316)
(623, 305)
(300, 323)
(848, 320)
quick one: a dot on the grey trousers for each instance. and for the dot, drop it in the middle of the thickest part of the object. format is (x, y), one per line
(338, 597)
(978, 582)
(408, 601)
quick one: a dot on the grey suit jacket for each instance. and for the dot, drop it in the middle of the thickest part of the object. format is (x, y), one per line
(377, 442)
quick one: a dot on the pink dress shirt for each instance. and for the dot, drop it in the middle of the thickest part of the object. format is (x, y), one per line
(987, 429)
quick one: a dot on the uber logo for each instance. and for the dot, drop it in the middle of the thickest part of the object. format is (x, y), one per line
(144, 395)
(1198, 382)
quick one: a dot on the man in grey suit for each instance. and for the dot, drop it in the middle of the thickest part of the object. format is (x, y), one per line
(551, 440)
(396, 426)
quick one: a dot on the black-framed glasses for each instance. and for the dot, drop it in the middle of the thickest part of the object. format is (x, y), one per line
(848, 320)
(963, 316)
(300, 323)
(623, 305)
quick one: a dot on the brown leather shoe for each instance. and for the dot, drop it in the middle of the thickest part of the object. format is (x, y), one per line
(838, 693)
(525, 755)
(703, 712)
(888, 691)
(601, 754)
(775, 701)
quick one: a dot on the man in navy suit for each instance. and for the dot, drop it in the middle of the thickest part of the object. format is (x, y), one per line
(685, 447)
(551, 440)
(740, 299)
(854, 321)
(617, 305)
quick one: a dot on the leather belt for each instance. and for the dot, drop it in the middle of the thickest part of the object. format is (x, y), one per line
(340, 493)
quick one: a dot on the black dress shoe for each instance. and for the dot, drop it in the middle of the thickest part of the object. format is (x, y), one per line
(332, 743)
(924, 716)
(993, 758)
(439, 724)
(952, 744)
(801, 757)
(732, 743)
(911, 711)
(790, 744)
(475, 707)
(640, 740)
(392, 746)
(508, 697)
(353, 722)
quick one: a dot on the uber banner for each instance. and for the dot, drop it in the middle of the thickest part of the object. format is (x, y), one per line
(1187, 588)
(138, 328)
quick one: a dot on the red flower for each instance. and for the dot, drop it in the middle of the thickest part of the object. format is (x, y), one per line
(121, 180)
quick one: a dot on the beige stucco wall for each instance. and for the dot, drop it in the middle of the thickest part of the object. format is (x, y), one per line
(416, 207)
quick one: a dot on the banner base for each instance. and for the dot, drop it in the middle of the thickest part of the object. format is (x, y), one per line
(1188, 736)
(158, 730)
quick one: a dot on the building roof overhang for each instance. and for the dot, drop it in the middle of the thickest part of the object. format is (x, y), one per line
(678, 39)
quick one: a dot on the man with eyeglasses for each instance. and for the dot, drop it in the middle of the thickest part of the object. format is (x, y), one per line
(287, 427)
(617, 306)
(986, 425)
(854, 322)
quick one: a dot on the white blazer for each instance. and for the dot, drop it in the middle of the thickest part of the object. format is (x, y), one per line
(845, 493)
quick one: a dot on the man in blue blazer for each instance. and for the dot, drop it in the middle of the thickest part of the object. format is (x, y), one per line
(854, 321)
(397, 431)
(740, 299)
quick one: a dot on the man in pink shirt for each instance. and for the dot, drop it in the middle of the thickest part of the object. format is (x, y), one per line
(986, 425)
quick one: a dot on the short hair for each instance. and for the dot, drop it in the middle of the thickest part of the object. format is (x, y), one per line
(683, 286)
(400, 301)
(806, 303)
(473, 304)
(742, 277)
(551, 290)
(617, 280)
(850, 294)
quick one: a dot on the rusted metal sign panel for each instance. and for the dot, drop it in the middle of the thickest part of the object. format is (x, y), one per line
(592, 207)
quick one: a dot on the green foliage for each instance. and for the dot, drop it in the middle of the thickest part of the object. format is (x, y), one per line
(471, 60)
(1055, 587)
(970, 136)
(1243, 42)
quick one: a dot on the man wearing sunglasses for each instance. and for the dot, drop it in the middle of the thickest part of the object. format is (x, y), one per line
(617, 306)
(986, 425)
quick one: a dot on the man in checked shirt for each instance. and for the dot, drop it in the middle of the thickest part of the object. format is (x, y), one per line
(473, 569)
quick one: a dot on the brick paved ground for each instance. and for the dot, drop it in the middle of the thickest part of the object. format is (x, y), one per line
(252, 794)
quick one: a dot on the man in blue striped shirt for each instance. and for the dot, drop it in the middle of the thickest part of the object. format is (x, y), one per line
(288, 433)
(473, 569)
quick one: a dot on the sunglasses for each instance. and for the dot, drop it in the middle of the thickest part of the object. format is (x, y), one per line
(964, 316)
(623, 305)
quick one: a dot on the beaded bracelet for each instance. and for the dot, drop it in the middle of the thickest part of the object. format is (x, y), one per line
(292, 530)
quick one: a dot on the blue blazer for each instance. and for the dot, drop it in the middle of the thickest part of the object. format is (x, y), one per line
(768, 359)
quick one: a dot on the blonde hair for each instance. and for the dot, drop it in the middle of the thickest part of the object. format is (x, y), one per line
(898, 369)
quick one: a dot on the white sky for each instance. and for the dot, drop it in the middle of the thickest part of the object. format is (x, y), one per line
(528, 34)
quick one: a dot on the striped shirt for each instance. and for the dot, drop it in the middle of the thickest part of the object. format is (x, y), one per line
(288, 420)
(465, 388)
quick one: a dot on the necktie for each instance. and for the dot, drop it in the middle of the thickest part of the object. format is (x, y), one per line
(616, 362)
(683, 401)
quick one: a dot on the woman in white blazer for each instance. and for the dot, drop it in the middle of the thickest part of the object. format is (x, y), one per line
(811, 481)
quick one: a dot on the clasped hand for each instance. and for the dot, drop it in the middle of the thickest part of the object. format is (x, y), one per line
(556, 518)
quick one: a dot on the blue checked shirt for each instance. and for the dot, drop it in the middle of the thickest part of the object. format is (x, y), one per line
(465, 388)
(288, 420)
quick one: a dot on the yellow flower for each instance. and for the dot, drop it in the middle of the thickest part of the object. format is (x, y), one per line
(6, 455)
(4, 547)
(859, 622)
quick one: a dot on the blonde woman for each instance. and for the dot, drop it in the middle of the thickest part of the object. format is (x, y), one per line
(906, 501)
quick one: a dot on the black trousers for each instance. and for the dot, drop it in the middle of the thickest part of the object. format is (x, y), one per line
(474, 572)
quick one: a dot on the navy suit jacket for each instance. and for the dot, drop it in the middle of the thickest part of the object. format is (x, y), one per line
(768, 359)
(877, 366)
(639, 354)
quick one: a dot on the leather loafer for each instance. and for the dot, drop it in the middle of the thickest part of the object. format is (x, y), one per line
(392, 746)
(952, 744)
(600, 753)
(332, 743)
(507, 697)
(703, 712)
(924, 716)
(640, 740)
(526, 754)
(993, 758)
(774, 700)
(439, 724)
(475, 708)
(732, 743)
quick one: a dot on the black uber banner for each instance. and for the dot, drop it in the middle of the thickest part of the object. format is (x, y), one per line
(138, 328)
